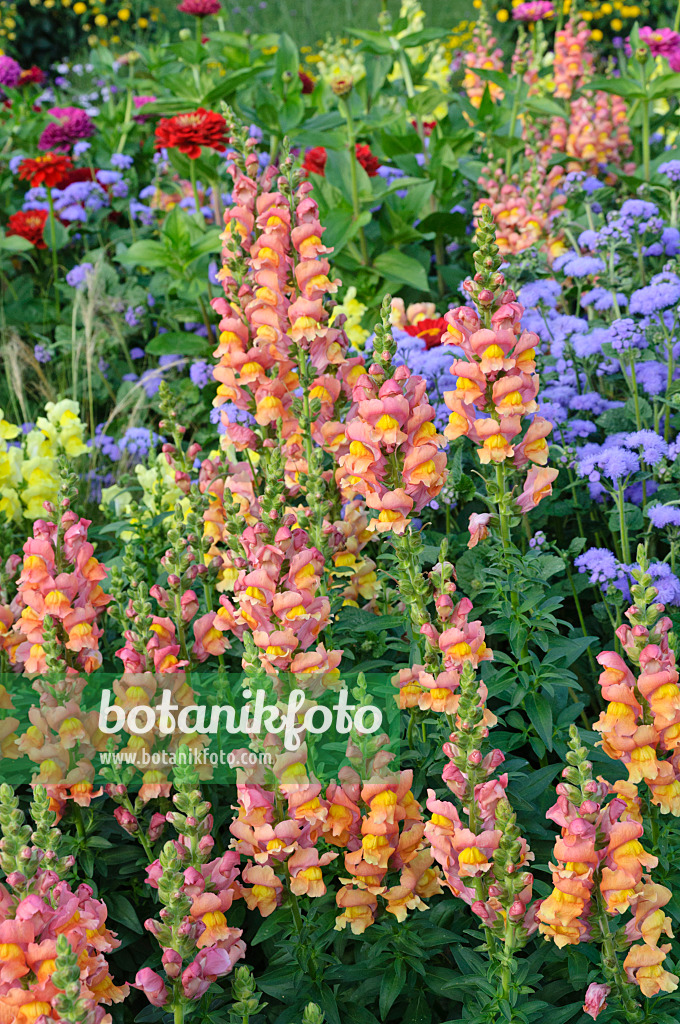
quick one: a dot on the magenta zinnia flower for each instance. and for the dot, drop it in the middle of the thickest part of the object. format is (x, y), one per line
(663, 42)
(10, 71)
(70, 125)
(199, 8)
(534, 10)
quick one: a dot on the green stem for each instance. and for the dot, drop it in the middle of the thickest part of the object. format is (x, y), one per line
(611, 967)
(354, 179)
(511, 131)
(645, 140)
(55, 262)
(625, 545)
(194, 189)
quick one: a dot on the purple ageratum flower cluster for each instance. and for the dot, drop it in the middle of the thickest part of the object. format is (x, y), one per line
(602, 299)
(71, 203)
(651, 447)
(133, 315)
(540, 293)
(573, 265)
(121, 161)
(611, 461)
(605, 570)
(625, 334)
(42, 354)
(666, 583)
(201, 373)
(77, 277)
(69, 125)
(671, 169)
(114, 180)
(136, 441)
(602, 566)
(652, 377)
(662, 516)
(662, 292)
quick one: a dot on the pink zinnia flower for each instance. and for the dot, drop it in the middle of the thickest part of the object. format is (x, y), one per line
(663, 42)
(534, 10)
(69, 125)
(199, 8)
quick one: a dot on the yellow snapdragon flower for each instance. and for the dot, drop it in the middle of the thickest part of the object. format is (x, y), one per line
(354, 311)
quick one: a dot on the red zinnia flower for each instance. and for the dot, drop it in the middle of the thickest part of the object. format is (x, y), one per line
(188, 132)
(369, 162)
(49, 170)
(32, 76)
(29, 224)
(307, 83)
(432, 331)
(315, 160)
(199, 8)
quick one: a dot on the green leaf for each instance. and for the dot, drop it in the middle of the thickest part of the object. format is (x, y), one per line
(374, 42)
(267, 930)
(180, 343)
(397, 266)
(391, 985)
(228, 85)
(533, 785)
(14, 243)
(209, 243)
(426, 35)
(146, 253)
(121, 910)
(61, 236)
(566, 650)
(618, 86)
(287, 58)
(356, 620)
(539, 711)
(665, 85)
